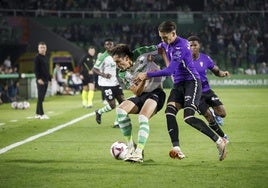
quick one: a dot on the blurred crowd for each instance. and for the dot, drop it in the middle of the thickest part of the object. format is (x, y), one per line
(9, 89)
(136, 5)
(234, 32)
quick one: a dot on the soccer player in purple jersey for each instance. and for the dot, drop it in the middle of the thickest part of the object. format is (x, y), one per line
(208, 99)
(186, 91)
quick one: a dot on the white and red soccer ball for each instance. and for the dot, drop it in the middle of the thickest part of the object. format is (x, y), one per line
(118, 150)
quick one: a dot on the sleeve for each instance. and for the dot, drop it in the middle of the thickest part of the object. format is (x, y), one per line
(168, 71)
(210, 62)
(37, 67)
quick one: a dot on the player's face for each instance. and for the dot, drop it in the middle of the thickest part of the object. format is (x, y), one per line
(167, 37)
(122, 63)
(42, 48)
(108, 45)
(91, 51)
(195, 46)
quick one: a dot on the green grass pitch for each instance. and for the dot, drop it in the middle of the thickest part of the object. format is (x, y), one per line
(78, 155)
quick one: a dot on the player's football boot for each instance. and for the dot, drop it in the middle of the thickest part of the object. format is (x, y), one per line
(136, 157)
(130, 150)
(98, 117)
(222, 149)
(176, 153)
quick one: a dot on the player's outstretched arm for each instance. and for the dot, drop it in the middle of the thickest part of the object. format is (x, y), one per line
(217, 72)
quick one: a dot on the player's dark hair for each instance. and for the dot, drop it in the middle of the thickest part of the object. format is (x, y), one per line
(121, 50)
(41, 43)
(108, 40)
(167, 27)
(194, 38)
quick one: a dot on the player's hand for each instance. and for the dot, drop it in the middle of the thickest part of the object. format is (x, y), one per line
(40, 81)
(161, 51)
(226, 74)
(141, 76)
(137, 87)
(108, 76)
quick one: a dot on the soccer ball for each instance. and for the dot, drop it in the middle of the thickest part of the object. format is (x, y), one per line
(14, 105)
(20, 105)
(26, 104)
(118, 150)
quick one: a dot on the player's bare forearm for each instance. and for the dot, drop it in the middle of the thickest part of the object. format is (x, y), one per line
(137, 87)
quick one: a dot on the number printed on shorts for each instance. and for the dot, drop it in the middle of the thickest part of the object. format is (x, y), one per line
(108, 92)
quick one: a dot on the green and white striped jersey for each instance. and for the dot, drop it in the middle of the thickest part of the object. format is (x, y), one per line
(141, 64)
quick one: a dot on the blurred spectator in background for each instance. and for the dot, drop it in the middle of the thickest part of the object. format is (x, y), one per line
(4, 94)
(263, 69)
(7, 62)
(57, 75)
(74, 82)
(251, 70)
(13, 91)
(232, 56)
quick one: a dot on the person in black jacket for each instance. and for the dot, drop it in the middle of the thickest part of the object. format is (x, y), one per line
(41, 69)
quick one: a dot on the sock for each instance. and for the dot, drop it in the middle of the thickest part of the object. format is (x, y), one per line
(90, 97)
(143, 132)
(104, 109)
(125, 125)
(198, 124)
(84, 97)
(172, 125)
(214, 126)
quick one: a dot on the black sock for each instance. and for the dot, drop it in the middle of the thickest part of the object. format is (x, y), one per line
(217, 129)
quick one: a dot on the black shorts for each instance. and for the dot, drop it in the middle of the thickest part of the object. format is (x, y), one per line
(157, 95)
(112, 92)
(88, 78)
(208, 99)
(186, 93)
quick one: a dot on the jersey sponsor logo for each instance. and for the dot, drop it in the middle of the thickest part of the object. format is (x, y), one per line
(201, 63)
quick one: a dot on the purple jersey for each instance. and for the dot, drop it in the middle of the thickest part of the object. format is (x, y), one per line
(201, 64)
(180, 61)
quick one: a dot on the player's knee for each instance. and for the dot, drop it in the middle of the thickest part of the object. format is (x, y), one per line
(112, 105)
(171, 110)
(120, 111)
(221, 113)
(189, 115)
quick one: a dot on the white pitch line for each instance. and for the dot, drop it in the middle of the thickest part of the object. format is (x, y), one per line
(49, 131)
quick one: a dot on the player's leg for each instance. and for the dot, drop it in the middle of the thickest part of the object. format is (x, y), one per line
(125, 125)
(150, 104)
(109, 96)
(217, 110)
(193, 90)
(91, 91)
(173, 106)
(203, 109)
(119, 95)
(85, 94)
